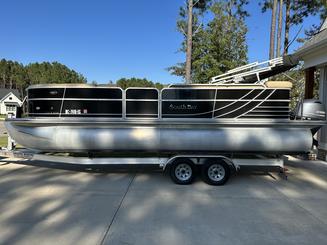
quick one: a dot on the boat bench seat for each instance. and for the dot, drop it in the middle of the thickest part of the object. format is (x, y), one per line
(278, 84)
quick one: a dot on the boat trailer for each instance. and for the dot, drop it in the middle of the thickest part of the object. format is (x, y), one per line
(215, 169)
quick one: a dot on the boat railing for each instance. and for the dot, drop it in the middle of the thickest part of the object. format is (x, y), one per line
(174, 102)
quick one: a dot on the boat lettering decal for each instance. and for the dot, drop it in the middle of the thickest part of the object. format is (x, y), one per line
(73, 111)
(183, 107)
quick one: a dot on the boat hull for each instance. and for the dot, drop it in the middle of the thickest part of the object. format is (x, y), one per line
(155, 137)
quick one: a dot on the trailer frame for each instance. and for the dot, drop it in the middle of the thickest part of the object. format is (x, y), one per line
(234, 161)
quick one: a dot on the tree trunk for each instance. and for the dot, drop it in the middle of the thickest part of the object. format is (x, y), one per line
(4, 80)
(188, 67)
(229, 8)
(273, 30)
(287, 25)
(280, 27)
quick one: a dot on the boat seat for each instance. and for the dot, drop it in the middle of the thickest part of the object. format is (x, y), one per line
(278, 84)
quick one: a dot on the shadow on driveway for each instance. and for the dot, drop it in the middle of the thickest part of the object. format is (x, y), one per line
(57, 203)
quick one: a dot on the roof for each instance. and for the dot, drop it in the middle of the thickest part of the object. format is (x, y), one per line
(324, 25)
(5, 91)
(317, 41)
(12, 103)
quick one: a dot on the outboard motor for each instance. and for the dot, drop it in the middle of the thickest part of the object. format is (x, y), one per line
(311, 109)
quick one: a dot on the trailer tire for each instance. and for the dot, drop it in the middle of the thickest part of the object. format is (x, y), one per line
(182, 171)
(215, 172)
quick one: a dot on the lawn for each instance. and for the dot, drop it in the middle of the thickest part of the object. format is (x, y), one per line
(3, 141)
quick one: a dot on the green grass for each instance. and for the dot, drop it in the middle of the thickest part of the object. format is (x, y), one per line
(3, 141)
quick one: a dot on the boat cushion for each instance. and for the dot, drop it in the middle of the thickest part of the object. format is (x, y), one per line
(278, 84)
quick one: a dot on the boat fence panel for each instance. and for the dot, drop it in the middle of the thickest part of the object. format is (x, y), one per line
(235, 94)
(49, 108)
(95, 102)
(94, 93)
(225, 103)
(75, 108)
(45, 93)
(142, 94)
(45, 101)
(180, 102)
(249, 103)
(72, 102)
(142, 103)
(188, 94)
(187, 103)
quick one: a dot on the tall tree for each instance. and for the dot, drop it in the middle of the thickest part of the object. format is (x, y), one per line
(223, 46)
(191, 4)
(280, 27)
(182, 27)
(52, 73)
(273, 30)
(189, 38)
(287, 25)
(14, 75)
(296, 12)
(137, 82)
(220, 45)
(11, 74)
(305, 8)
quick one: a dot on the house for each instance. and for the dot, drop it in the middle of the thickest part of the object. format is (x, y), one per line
(314, 55)
(9, 101)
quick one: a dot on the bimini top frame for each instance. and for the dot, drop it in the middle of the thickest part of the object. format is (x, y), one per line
(255, 72)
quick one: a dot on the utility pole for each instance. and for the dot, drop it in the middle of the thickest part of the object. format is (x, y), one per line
(188, 67)
(273, 31)
(280, 27)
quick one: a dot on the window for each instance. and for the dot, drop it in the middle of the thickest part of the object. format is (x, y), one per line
(11, 108)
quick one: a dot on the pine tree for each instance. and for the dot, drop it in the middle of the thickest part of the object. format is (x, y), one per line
(296, 12)
(125, 83)
(188, 16)
(14, 75)
(218, 46)
(273, 30)
(280, 28)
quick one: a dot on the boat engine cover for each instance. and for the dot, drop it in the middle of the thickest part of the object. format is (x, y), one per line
(312, 109)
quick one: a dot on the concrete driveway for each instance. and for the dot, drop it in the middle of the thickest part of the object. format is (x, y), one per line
(60, 204)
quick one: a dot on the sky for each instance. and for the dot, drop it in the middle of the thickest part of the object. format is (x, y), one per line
(106, 40)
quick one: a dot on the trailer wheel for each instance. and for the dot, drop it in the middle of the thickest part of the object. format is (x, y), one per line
(215, 172)
(182, 171)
